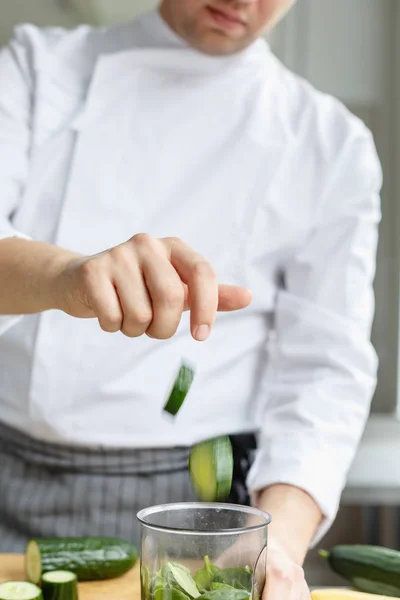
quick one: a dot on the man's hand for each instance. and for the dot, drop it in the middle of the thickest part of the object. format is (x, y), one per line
(141, 286)
(144, 285)
(295, 519)
(285, 578)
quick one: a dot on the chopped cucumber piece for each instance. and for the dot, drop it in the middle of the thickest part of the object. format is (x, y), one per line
(33, 563)
(20, 590)
(60, 585)
(211, 469)
(59, 577)
(180, 390)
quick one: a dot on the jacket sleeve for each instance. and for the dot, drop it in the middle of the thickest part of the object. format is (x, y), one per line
(15, 135)
(322, 372)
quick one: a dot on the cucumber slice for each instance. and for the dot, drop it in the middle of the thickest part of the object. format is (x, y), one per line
(180, 390)
(211, 469)
(60, 585)
(20, 590)
(89, 558)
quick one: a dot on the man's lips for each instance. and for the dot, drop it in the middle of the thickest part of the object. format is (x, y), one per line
(225, 18)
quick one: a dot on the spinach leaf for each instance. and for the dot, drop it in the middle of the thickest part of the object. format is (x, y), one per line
(181, 578)
(221, 586)
(158, 581)
(236, 575)
(205, 576)
(238, 585)
(169, 594)
(145, 582)
(226, 593)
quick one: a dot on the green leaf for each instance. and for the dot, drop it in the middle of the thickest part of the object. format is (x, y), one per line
(216, 585)
(232, 575)
(238, 585)
(205, 576)
(158, 581)
(169, 594)
(182, 577)
(145, 582)
(226, 593)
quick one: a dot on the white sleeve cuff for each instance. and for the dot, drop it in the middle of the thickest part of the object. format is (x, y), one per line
(310, 470)
(8, 321)
(10, 232)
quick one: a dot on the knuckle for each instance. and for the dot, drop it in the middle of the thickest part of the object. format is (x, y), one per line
(111, 322)
(143, 240)
(118, 253)
(161, 334)
(90, 270)
(174, 241)
(142, 317)
(163, 329)
(137, 322)
(203, 269)
(173, 295)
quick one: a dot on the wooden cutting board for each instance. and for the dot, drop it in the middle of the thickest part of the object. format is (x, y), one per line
(126, 587)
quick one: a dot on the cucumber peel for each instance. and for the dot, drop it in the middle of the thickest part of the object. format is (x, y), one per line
(60, 585)
(179, 390)
(211, 469)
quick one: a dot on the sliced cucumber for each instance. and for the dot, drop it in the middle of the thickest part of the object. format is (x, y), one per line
(211, 469)
(60, 585)
(89, 558)
(180, 390)
(20, 590)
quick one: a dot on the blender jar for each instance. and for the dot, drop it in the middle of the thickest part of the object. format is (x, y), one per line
(199, 550)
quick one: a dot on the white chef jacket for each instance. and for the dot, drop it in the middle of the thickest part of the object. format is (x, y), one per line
(107, 133)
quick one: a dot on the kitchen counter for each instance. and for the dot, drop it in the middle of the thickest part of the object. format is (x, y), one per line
(126, 587)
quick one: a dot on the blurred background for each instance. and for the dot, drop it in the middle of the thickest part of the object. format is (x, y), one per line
(351, 50)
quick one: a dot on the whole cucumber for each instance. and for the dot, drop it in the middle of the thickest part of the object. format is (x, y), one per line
(371, 569)
(89, 558)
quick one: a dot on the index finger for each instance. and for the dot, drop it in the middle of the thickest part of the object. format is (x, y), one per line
(199, 276)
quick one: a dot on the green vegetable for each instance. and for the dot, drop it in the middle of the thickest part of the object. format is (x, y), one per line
(145, 582)
(211, 469)
(371, 569)
(169, 594)
(179, 576)
(204, 577)
(60, 585)
(237, 577)
(20, 590)
(216, 585)
(180, 390)
(88, 558)
(175, 582)
(226, 593)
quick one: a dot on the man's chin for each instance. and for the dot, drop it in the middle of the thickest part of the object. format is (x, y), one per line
(218, 44)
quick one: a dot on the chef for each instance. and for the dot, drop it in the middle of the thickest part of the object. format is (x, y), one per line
(163, 183)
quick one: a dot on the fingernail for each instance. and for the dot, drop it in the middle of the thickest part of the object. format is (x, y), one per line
(202, 333)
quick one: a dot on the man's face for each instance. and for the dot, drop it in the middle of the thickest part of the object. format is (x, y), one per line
(220, 27)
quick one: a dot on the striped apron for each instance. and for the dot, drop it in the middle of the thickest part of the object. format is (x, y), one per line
(49, 490)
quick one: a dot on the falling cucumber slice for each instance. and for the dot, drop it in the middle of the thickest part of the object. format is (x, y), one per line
(180, 390)
(211, 469)
(60, 585)
(20, 590)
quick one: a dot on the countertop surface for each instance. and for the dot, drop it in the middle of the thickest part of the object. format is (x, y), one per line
(126, 587)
